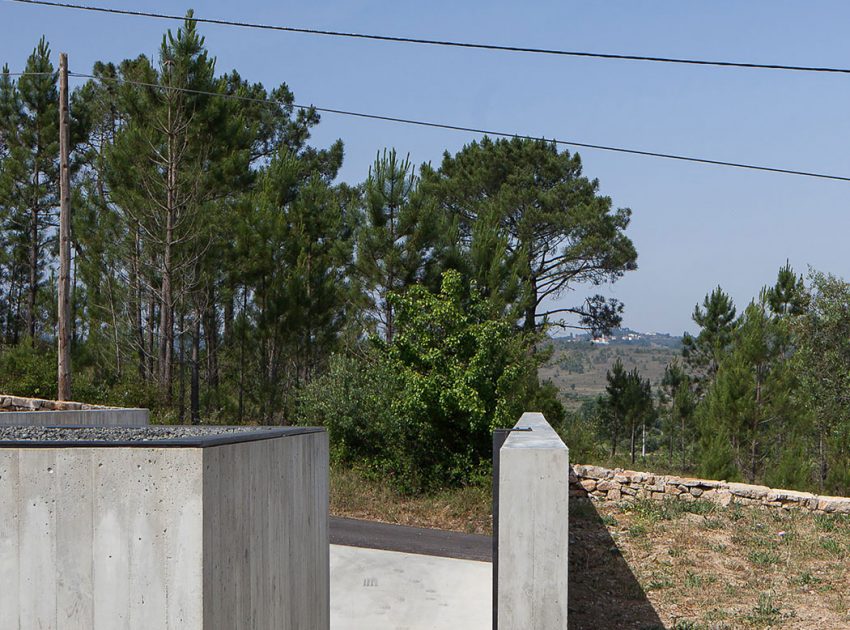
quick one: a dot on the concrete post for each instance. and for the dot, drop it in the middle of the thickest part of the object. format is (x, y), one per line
(533, 528)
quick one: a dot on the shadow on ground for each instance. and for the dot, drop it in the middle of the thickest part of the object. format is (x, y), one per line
(603, 591)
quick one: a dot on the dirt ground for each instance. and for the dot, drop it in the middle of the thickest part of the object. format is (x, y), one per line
(696, 565)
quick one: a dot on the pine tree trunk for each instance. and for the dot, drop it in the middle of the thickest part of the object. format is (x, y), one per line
(166, 326)
(241, 412)
(33, 260)
(195, 396)
(181, 363)
(211, 338)
(136, 285)
(151, 349)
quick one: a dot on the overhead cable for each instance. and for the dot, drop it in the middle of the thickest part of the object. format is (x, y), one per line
(439, 42)
(479, 131)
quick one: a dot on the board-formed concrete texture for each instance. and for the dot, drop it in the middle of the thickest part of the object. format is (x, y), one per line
(533, 527)
(20, 411)
(220, 530)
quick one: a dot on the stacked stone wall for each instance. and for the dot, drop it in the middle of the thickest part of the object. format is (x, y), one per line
(617, 485)
(20, 403)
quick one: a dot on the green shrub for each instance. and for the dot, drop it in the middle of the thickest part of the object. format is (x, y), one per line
(420, 411)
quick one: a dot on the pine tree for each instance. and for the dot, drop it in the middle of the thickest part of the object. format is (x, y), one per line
(615, 403)
(396, 240)
(679, 400)
(31, 124)
(560, 232)
(788, 296)
(716, 320)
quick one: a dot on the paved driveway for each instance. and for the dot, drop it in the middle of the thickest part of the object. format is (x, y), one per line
(375, 589)
(390, 577)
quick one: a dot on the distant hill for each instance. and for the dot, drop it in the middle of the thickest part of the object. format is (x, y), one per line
(579, 363)
(625, 337)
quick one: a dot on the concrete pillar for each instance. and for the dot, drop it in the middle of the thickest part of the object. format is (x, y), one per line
(533, 527)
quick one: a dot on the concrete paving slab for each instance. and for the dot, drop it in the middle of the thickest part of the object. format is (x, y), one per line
(375, 589)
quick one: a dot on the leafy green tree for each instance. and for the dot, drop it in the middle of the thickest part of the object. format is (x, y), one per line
(558, 231)
(462, 375)
(822, 335)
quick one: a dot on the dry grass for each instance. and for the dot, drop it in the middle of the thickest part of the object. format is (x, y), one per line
(702, 566)
(462, 510)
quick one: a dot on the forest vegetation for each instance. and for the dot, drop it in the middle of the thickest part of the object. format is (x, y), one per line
(223, 274)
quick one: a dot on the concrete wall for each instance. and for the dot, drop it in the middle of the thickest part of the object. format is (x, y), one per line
(101, 538)
(266, 562)
(533, 527)
(76, 418)
(144, 538)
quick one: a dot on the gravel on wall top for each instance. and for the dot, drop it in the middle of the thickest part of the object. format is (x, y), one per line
(139, 434)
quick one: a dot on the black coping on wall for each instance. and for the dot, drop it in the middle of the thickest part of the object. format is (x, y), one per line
(218, 436)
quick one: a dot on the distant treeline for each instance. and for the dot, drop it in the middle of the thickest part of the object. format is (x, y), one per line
(761, 396)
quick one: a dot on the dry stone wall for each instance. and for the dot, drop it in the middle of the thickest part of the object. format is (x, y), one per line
(20, 403)
(617, 485)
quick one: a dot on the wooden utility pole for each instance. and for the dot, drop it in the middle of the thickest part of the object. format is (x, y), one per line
(64, 384)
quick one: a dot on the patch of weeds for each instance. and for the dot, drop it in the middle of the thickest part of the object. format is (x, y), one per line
(685, 624)
(692, 580)
(712, 523)
(830, 522)
(765, 612)
(832, 546)
(717, 548)
(740, 540)
(675, 552)
(805, 579)
(763, 558)
(700, 507)
(609, 521)
(637, 530)
(659, 582)
(714, 615)
(735, 512)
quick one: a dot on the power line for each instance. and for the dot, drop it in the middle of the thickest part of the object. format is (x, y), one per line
(438, 42)
(27, 74)
(475, 130)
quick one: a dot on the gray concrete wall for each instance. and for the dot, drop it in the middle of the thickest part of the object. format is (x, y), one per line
(101, 538)
(224, 537)
(266, 552)
(533, 527)
(76, 418)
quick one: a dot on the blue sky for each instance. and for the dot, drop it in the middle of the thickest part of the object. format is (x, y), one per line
(695, 227)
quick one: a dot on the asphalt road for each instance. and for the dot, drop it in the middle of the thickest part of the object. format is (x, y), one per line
(417, 540)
